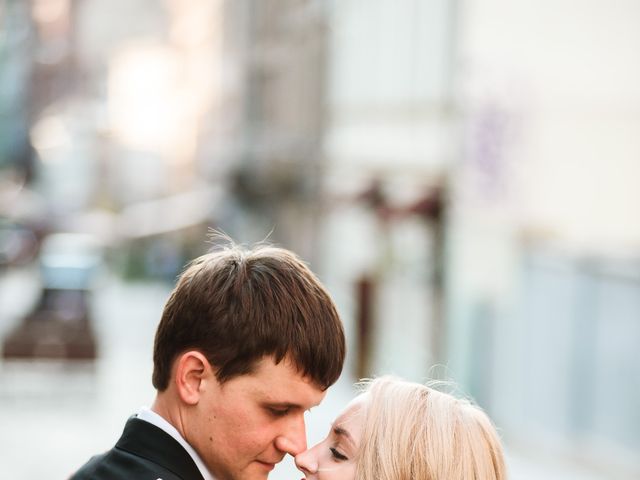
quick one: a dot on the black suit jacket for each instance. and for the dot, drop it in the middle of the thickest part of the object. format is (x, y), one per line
(144, 452)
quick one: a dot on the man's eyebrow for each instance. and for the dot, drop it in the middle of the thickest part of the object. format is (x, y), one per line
(341, 432)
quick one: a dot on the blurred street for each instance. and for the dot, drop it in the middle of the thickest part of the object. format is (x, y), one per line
(64, 413)
(68, 412)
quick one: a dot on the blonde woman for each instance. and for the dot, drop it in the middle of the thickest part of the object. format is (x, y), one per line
(399, 430)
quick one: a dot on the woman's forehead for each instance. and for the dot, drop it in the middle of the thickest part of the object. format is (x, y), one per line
(352, 413)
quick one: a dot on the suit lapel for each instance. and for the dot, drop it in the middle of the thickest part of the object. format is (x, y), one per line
(148, 441)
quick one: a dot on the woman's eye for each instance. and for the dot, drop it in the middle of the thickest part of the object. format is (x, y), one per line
(337, 455)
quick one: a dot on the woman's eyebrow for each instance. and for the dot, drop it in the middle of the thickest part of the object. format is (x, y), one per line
(341, 432)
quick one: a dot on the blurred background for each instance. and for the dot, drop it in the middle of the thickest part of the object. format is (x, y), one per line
(462, 175)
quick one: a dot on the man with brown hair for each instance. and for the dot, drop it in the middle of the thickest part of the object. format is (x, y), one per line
(248, 341)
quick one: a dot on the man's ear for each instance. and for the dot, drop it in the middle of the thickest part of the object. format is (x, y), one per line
(192, 368)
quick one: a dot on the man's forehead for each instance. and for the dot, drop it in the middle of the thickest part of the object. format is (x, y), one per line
(284, 370)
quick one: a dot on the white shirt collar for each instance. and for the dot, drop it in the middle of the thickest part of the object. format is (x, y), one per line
(152, 417)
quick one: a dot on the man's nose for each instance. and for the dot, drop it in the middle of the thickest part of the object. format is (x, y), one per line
(294, 439)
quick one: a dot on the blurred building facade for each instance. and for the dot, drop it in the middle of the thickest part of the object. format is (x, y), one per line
(16, 65)
(264, 142)
(462, 175)
(543, 295)
(389, 148)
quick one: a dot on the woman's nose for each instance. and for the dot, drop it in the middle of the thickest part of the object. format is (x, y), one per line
(306, 462)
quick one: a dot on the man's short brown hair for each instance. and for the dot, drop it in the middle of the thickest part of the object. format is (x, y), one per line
(237, 305)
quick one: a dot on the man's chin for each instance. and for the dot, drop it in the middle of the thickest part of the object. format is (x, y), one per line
(256, 470)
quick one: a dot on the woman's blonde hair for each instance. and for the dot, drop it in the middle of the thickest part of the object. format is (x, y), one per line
(414, 432)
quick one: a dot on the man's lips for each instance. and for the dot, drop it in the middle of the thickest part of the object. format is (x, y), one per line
(269, 465)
